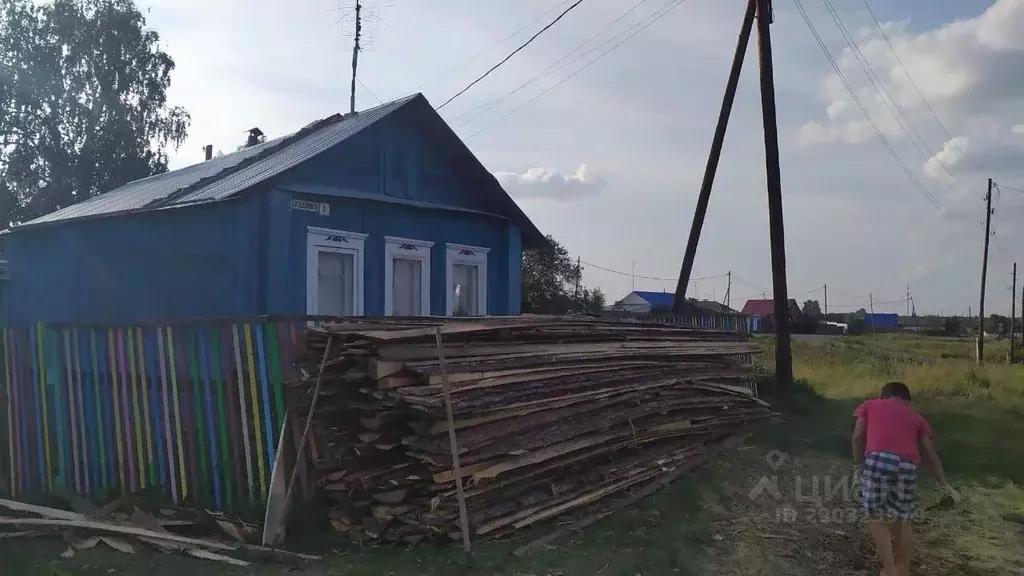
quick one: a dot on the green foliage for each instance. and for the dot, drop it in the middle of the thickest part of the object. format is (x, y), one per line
(812, 309)
(83, 103)
(552, 283)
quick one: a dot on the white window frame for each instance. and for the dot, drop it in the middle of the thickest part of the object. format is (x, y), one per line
(409, 249)
(470, 256)
(339, 242)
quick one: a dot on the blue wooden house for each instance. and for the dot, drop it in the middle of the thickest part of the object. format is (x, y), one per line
(381, 212)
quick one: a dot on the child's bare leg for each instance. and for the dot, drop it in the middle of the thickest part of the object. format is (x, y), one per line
(879, 529)
(904, 536)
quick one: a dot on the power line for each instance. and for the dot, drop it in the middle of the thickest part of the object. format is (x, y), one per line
(913, 83)
(641, 277)
(886, 97)
(513, 53)
(492, 47)
(651, 20)
(853, 95)
(1002, 187)
(555, 66)
(367, 88)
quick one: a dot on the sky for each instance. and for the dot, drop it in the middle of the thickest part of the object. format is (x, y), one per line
(600, 129)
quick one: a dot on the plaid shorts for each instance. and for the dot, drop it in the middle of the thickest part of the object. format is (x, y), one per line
(888, 486)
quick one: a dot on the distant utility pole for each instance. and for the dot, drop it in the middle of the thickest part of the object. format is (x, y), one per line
(728, 291)
(355, 57)
(908, 300)
(825, 287)
(1013, 312)
(632, 275)
(984, 273)
(579, 274)
(871, 304)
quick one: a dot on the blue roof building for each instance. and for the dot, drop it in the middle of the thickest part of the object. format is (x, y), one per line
(381, 212)
(881, 320)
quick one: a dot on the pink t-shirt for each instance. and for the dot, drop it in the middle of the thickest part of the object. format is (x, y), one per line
(893, 427)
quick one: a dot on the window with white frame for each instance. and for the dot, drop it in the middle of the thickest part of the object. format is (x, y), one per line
(406, 277)
(466, 280)
(334, 272)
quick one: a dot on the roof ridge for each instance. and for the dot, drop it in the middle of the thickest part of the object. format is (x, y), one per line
(229, 170)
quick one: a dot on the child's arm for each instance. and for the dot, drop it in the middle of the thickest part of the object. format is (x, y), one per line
(860, 432)
(933, 459)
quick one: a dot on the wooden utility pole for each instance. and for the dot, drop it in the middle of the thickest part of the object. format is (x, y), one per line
(826, 303)
(576, 294)
(1013, 312)
(871, 303)
(984, 273)
(783, 350)
(679, 301)
(355, 57)
(728, 291)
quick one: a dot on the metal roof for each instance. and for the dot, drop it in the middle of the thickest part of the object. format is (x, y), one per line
(222, 177)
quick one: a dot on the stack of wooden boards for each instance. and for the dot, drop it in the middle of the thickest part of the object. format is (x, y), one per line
(553, 415)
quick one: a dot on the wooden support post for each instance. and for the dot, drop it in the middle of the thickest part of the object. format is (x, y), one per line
(453, 442)
(274, 520)
(679, 300)
(776, 223)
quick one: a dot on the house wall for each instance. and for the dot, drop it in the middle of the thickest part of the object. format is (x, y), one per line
(378, 220)
(389, 181)
(183, 263)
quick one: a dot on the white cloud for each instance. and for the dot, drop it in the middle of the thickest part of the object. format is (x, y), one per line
(966, 69)
(547, 183)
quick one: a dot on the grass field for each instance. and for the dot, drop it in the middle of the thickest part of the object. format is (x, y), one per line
(710, 523)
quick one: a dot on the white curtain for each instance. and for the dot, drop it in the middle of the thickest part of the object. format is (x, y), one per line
(465, 290)
(407, 287)
(335, 283)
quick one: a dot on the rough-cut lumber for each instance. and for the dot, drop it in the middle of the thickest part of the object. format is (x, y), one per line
(545, 416)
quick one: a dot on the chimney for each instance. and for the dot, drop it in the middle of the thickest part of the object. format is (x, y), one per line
(255, 137)
(208, 150)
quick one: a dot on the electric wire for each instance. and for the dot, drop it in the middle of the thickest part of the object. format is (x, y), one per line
(886, 97)
(867, 116)
(906, 71)
(513, 53)
(491, 47)
(651, 20)
(552, 68)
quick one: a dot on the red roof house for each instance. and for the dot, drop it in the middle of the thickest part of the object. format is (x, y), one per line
(762, 312)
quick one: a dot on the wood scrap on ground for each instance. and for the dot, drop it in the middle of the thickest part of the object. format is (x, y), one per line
(553, 416)
(121, 531)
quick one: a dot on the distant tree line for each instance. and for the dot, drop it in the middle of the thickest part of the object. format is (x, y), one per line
(811, 316)
(553, 283)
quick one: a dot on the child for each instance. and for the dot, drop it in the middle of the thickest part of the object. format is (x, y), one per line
(885, 446)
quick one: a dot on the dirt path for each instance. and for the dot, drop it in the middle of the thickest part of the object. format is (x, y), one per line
(777, 513)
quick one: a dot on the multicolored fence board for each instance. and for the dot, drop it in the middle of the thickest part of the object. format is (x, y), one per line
(731, 322)
(193, 408)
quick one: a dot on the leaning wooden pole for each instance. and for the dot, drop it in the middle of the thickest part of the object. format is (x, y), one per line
(679, 300)
(453, 442)
(783, 349)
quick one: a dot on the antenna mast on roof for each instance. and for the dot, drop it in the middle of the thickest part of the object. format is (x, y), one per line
(355, 57)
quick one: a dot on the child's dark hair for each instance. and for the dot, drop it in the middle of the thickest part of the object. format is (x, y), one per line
(896, 390)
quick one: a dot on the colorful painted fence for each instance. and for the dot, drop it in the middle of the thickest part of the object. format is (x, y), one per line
(194, 408)
(732, 322)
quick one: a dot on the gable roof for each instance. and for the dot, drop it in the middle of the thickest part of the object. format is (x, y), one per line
(227, 176)
(765, 307)
(656, 299)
